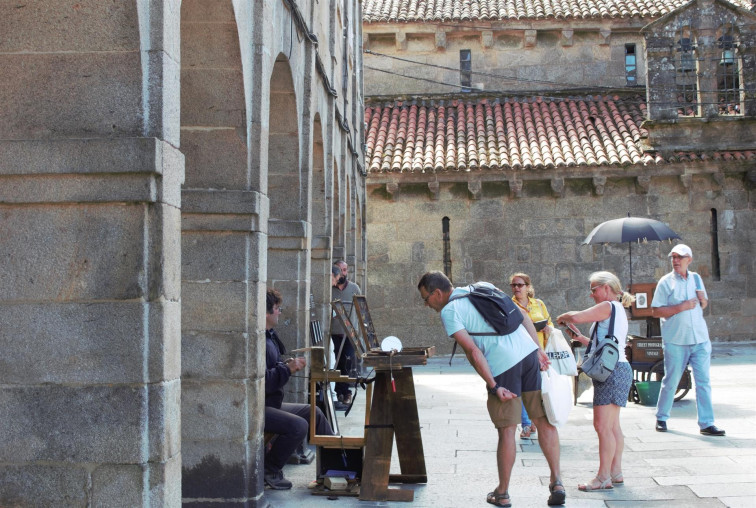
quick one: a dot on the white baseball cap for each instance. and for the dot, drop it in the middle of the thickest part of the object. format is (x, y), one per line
(681, 250)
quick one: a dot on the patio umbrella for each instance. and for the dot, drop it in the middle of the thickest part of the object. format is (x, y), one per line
(630, 229)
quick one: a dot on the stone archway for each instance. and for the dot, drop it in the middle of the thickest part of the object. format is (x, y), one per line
(288, 228)
(322, 210)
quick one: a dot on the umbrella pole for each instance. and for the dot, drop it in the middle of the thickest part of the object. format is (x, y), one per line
(630, 246)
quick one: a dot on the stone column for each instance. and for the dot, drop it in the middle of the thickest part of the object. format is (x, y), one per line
(89, 240)
(224, 245)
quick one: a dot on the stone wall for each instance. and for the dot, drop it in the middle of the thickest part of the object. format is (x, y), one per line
(548, 55)
(540, 233)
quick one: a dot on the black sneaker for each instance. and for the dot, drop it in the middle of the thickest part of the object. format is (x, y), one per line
(276, 481)
(662, 426)
(712, 430)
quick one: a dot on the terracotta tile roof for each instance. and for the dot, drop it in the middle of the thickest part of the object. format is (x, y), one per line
(392, 11)
(512, 133)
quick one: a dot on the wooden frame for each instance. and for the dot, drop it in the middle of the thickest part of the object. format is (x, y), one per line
(366, 322)
(644, 293)
(324, 376)
(359, 346)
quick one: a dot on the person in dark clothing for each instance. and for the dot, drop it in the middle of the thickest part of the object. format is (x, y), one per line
(344, 290)
(289, 421)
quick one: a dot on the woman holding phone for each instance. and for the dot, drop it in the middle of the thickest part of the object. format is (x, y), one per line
(523, 295)
(611, 395)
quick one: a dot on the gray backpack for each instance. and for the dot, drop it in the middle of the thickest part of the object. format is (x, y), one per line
(600, 364)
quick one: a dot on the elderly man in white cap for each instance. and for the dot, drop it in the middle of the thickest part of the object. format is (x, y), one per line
(679, 301)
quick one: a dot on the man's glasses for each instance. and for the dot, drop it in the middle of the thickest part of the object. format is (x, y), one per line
(517, 285)
(429, 295)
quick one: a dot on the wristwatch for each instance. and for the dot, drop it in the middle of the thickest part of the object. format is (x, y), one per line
(492, 391)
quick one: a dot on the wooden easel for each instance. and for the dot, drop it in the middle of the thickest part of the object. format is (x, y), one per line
(389, 414)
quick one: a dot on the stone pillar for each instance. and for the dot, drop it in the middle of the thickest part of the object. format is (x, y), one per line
(90, 176)
(224, 237)
(224, 245)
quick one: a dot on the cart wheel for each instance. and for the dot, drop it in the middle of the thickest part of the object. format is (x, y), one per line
(656, 373)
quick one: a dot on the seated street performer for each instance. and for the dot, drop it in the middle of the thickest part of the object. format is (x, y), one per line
(289, 421)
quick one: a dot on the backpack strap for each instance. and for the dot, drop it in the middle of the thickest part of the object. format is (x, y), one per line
(698, 283)
(468, 331)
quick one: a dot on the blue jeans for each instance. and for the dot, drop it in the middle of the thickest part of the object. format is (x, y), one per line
(676, 358)
(525, 418)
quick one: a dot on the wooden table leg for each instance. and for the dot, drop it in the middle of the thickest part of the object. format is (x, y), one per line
(379, 441)
(409, 442)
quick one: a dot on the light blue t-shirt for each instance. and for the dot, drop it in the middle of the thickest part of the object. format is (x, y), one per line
(688, 327)
(502, 352)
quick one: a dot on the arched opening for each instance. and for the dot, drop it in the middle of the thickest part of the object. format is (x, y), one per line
(287, 226)
(337, 217)
(320, 253)
(284, 182)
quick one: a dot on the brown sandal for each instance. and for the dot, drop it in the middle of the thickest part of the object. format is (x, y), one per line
(556, 497)
(499, 499)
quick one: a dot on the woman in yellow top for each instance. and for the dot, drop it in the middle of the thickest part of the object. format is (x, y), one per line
(524, 296)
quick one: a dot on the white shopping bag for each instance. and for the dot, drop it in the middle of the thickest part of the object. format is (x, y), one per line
(556, 392)
(560, 354)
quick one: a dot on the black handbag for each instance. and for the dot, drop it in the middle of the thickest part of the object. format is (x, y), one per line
(601, 363)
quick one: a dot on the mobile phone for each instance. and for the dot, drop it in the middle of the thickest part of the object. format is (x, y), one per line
(572, 330)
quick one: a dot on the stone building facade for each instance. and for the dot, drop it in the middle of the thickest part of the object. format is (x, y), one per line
(161, 164)
(482, 185)
(505, 46)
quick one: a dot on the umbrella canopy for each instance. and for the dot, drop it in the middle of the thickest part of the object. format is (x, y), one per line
(630, 229)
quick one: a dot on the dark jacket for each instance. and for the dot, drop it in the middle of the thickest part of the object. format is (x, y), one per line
(277, 374)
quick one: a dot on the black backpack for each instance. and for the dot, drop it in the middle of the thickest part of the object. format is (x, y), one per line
(496, 307)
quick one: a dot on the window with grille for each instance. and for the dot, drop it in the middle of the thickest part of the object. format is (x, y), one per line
(728, 72)
(686, 79)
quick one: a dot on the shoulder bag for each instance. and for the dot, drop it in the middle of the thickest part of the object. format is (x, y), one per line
(600, 364)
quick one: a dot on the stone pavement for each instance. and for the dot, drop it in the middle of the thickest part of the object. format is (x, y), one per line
(678, 468)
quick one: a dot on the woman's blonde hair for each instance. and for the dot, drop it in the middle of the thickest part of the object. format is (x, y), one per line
(526, 278)
(611, 280)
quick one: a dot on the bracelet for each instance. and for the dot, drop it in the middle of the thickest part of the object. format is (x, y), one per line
(493, 390)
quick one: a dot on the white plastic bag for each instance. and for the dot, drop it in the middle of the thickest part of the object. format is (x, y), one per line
(556, 392)
(560, 354)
